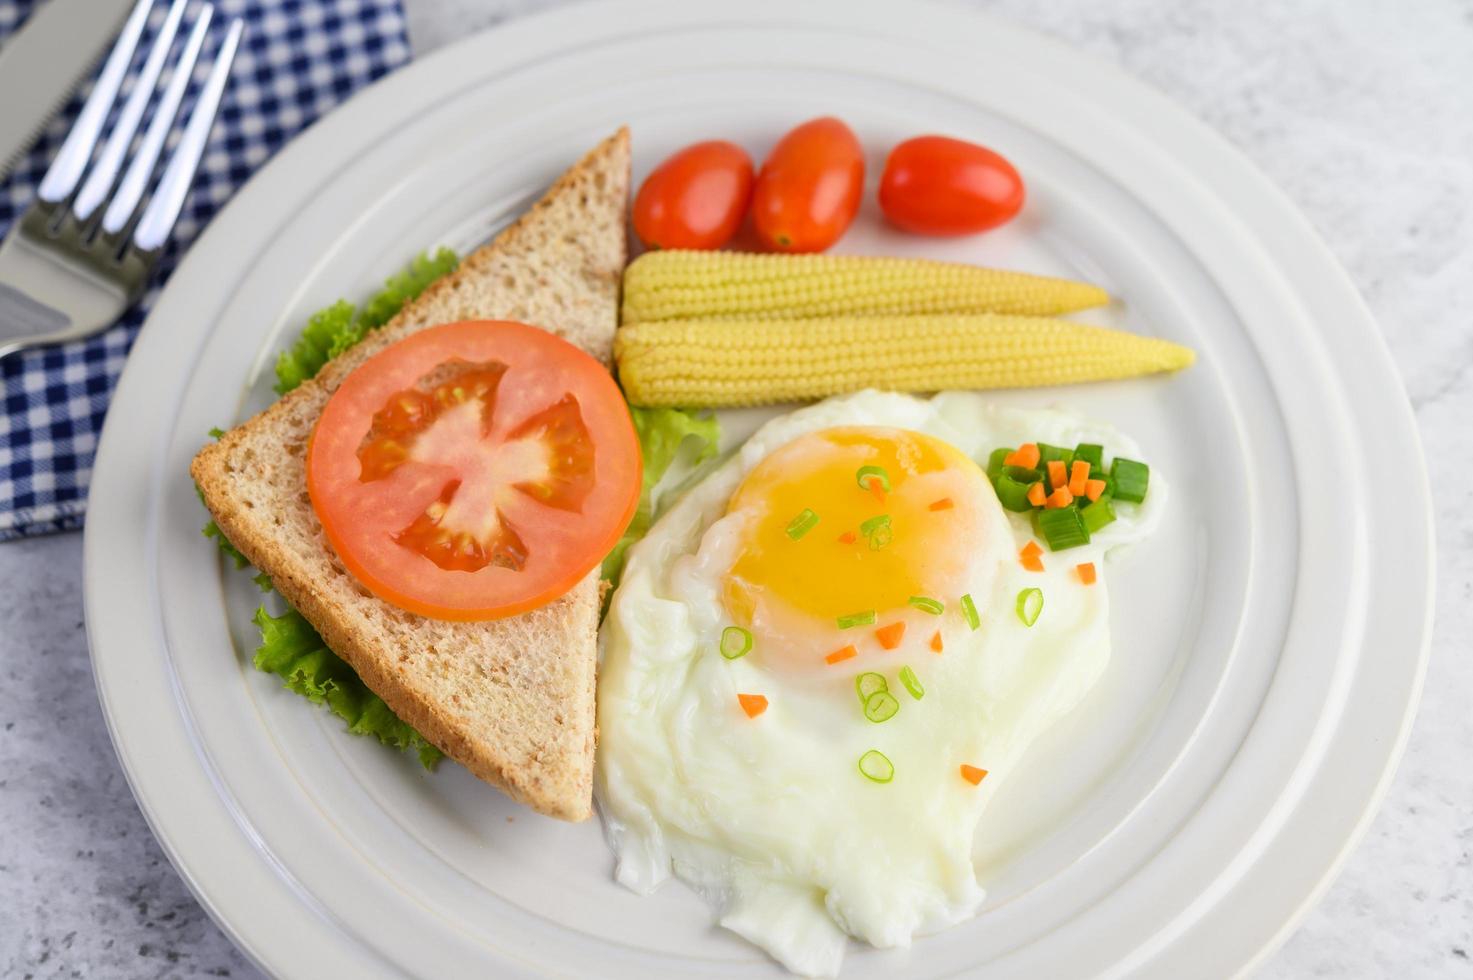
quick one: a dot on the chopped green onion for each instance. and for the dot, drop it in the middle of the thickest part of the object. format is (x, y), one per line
(1023, 474)
(1029, 605)
(877, 531)
(1012, 493)
(1098, 514)
(912, 683)
(1062, 528)
(1131, 479)
(1093, 452)
(880, 706)
(1047, 453)
(802, 524)
(866, 618)
(969, 612)
(869, 683)
(875, 767)
(735, 642)
(926, 604)
(995, 462)
(868, 473)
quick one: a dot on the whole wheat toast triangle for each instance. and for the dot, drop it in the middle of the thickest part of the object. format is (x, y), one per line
(513, 699)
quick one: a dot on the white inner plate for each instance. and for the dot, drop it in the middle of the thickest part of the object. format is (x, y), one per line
(1268, 640)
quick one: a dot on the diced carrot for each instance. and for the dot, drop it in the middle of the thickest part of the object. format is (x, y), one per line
(1078, 477)
(1037, 494)
(1057, 477)
(1030, 556)
(1093, 489)
(848, 537)
(936, 641)
(1060, 498)
(1025, 456)
(890, 635)
(877, 489)
(1031, 549)
(943, 504)
(839, 656)
(1086, 572)
(972, 774)
(752, 704)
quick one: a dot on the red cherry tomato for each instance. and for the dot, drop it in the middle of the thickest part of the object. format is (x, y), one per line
(696, 198)
(809, 189)
(936, 185)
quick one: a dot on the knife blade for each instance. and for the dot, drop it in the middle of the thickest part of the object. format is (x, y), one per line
(41, 64)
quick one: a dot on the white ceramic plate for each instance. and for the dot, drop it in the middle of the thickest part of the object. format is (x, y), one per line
(1269, 642)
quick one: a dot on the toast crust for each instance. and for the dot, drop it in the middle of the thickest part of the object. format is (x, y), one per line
(512, 699)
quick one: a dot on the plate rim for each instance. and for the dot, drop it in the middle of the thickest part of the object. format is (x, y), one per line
(403, 86)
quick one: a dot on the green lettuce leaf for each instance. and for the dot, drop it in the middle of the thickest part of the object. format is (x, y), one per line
(661, 431)
(331, 331)
(292, 650)
(423, 270)
(313, 348)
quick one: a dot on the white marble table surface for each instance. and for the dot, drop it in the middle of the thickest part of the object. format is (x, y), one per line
(1359, 109)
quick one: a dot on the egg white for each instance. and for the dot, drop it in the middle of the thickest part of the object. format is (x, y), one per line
(768, 817)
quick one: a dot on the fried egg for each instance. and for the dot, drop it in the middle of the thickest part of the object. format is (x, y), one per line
(846, 548)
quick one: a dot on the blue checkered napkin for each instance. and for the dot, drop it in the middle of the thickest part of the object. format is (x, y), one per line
(298, 59)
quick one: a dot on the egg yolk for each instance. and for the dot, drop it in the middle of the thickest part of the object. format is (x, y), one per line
(841, 564)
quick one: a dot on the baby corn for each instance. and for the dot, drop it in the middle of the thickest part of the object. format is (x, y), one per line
(713, 285)
(726, 363)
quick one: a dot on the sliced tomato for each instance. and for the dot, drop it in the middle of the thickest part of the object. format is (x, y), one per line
(474, 470)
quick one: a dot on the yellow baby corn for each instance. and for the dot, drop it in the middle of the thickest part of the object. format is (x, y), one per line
(709, 285)
(724, 363)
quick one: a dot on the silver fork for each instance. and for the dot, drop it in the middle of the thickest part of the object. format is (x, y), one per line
(78, 258)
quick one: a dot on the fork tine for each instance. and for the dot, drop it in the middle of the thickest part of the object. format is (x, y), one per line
(61, 179)
(168, 198)
(140, 168)
(105, 171)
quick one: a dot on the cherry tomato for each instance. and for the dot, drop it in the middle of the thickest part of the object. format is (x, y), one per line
(696, 198)
(936, 185)
(809, 189)
(474, 470)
